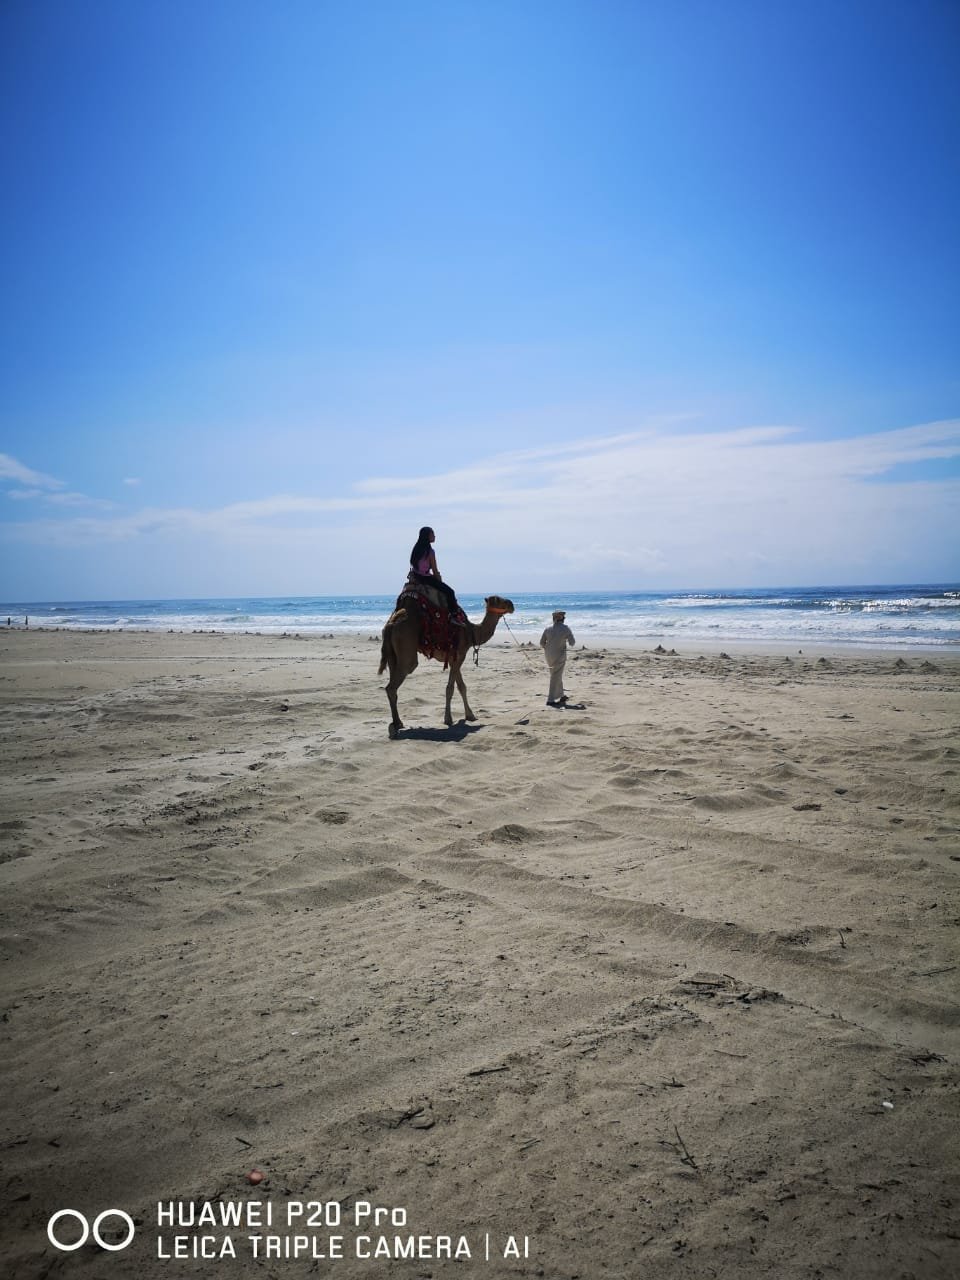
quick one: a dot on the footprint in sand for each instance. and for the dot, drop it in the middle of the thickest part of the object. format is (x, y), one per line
(334, 817)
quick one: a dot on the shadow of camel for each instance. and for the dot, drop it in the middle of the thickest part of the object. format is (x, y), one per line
(451, 733)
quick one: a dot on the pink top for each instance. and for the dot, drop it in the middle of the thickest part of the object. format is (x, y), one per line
(423, 564)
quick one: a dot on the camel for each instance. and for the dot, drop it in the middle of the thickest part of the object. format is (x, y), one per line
(401, 637)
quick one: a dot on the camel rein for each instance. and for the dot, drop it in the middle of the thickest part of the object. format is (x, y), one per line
(501, 613)
(523, 653)
(526, 657)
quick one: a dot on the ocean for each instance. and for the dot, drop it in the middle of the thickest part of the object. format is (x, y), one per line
(915, 616)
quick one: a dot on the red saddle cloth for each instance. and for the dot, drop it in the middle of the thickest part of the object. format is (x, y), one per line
(440, 630)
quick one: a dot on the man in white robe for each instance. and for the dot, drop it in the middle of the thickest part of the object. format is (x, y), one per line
(554, 643)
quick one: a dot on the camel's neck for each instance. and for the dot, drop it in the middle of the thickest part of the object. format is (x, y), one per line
(484, 630)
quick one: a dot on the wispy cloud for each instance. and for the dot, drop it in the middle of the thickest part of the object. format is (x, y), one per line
(44, 488)
(78, 500)
(11, 469)
(749, 504)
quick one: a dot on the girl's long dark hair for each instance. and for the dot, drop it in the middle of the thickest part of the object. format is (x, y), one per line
(421, 546)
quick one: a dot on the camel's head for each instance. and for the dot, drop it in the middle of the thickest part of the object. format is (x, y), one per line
(497, 604)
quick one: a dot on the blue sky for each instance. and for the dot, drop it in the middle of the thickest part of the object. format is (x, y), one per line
(613, 295)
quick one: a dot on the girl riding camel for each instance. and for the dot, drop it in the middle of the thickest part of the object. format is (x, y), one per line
(423, 567)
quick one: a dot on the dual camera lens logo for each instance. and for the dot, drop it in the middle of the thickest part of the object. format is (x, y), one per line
(86, 1230)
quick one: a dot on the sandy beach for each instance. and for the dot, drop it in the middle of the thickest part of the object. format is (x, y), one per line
(664, 984)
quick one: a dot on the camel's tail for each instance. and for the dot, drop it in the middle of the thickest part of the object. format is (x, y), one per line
(385, 649)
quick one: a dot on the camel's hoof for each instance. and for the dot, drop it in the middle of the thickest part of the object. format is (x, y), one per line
(394, 729)
(470, 716)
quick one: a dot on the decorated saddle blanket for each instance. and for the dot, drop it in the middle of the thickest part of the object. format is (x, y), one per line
(440, 630)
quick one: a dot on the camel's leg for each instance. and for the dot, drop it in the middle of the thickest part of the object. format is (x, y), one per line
(456, 678)
(467, 713)
(396, 724)
(398, 673)
(447, 716)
